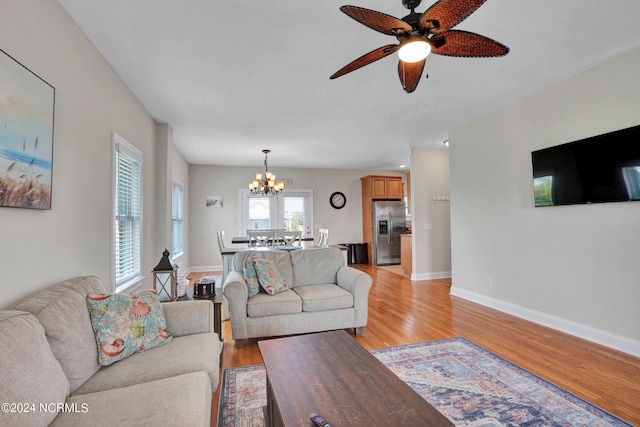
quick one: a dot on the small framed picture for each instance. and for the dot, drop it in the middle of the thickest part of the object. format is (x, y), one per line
(214, 201)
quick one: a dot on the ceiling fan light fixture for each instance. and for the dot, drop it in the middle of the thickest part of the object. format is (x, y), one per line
(419, 34)
(414, 48)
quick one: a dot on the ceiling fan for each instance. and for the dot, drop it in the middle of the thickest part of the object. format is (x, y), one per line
(421, 33)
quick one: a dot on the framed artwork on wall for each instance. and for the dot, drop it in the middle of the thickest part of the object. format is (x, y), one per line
(26, 136)
(214, 201)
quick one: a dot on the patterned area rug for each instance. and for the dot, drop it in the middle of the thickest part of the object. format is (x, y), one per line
(468, 384)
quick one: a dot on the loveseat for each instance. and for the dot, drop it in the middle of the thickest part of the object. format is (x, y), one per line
(322, 294)
(51, 374)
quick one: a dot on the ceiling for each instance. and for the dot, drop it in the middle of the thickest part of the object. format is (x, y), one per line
(233, 77)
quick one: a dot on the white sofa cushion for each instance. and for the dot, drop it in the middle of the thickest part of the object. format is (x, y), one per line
(196, 317)
(161, 362)
(287, 302)
(324, 297)
(62, 311)
(30, 372)
(316, 266)
(184, 400)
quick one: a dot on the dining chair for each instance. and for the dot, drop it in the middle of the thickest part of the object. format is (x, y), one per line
(221, 240)
(261, 238)
(277, 234)
(289, 238)
(323, 237)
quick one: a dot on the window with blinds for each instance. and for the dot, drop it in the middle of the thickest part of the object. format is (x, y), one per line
(128, 213)
(176, 220)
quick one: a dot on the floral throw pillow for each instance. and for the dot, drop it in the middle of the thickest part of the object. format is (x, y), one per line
(249, 273)
(126, 324)
(269, 277)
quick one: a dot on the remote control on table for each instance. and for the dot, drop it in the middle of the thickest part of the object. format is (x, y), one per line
(319, 421)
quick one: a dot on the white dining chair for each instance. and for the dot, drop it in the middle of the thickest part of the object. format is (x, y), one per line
(221, 240)
(261, 238)
(323, 237)
(277, 233)
(289, 238)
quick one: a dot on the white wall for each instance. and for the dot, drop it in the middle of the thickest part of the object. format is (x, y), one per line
(576, 268)
(180, 173)
(431, 218)
(345, 225)
(73, 238)
(171, 166)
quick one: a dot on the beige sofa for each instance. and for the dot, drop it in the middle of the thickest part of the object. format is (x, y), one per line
(325, 294)
(51, 375)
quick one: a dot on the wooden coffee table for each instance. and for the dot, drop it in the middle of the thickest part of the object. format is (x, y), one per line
(329, 373)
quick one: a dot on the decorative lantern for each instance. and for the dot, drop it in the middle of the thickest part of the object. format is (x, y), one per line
(165, 278)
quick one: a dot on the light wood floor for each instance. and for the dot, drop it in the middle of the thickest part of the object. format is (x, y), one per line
(402, 312)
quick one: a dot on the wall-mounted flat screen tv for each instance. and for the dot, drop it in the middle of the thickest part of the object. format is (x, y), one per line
(599, 169)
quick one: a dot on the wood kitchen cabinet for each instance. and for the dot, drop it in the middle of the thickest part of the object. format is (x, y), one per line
(383, 187)
(374, 188)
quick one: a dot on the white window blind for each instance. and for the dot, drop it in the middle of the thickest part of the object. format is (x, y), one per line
(176, 219)
(128, 212)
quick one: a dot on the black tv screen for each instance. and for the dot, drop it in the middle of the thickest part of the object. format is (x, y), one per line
(599, 169)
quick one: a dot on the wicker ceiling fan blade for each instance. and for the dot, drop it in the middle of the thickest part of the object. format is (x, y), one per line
(386, 24)
(366, 59)
(467, 44)
(448, 14)
(410, 73)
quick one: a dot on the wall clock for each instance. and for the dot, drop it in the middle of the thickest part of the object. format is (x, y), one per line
(337, 200)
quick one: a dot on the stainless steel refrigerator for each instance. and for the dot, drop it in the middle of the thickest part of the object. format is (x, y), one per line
(389, 222)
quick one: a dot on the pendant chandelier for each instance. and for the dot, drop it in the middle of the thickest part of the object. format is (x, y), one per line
(266, 184)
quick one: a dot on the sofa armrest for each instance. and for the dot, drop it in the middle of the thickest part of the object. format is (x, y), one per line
(188, 317)
(236, 292)
(359, 284)
(354, 281)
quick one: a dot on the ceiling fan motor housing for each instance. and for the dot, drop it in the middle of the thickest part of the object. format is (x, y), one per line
(411, 4)
(413, 19)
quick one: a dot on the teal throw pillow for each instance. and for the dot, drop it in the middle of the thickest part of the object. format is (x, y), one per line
(126, 324)
(249, 273)
(269, 277)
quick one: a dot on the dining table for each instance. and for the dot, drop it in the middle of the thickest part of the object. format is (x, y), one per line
(246, 239)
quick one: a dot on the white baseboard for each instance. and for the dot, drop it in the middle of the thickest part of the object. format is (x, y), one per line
(431, 276)
(598, 336)
(199, 269)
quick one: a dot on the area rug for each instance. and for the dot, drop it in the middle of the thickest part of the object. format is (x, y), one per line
(468, 384)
